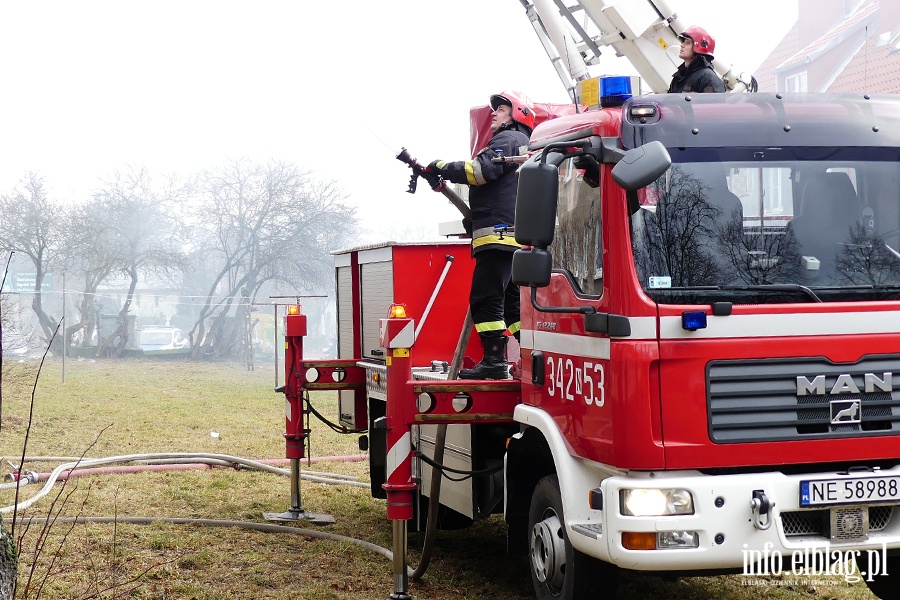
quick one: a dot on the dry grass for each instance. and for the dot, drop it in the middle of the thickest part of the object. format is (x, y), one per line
(125, 407)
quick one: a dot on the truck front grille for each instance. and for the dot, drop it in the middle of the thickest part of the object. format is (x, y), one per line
(754, 401)
(817, 522)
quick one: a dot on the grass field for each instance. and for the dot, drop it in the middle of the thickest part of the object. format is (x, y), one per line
(112, 408)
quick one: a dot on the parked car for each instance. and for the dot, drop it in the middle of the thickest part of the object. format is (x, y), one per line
(162, 338)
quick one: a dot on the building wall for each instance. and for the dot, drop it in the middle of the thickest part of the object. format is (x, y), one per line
(837, 43)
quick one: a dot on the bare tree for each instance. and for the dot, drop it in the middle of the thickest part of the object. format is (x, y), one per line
(91, 260)
(33, 225)
(137, 234)
(259, 224)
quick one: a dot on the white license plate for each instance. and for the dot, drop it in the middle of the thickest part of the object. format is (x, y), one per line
(850, 490)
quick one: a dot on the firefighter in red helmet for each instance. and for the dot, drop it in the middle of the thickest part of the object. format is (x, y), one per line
(494, 298)
(696, 73)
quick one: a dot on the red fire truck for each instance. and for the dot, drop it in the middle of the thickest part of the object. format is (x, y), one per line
(710, 332)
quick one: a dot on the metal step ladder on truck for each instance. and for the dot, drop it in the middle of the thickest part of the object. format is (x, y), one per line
(710, 335)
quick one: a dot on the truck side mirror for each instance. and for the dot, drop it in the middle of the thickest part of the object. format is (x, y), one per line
(531, 267)
(640, 166)
(536, 204)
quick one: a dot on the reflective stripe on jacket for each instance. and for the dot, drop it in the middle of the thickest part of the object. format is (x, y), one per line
(495, 240)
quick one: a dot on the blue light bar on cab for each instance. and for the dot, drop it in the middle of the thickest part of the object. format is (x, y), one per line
(614, 91)
(693, 320)
(607, 91)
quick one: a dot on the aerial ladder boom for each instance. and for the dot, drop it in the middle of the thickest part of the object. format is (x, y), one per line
(645, 32)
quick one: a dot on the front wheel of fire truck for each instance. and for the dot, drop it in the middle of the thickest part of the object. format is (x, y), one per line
(878, 576)
(559, 571)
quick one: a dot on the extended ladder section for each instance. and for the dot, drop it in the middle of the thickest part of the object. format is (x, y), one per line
(645, 32)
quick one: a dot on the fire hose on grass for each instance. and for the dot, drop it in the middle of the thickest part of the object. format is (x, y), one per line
(200, 460)
(64, 470)
(263, 527)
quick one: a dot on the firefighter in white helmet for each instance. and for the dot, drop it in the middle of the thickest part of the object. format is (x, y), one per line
(494, 298)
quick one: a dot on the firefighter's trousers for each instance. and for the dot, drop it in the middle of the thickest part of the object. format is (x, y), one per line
(494, 298)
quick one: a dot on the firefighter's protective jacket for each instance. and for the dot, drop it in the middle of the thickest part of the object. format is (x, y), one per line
(492, 188)
(698, 77)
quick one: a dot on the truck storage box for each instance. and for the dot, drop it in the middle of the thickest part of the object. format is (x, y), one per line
(431, 279)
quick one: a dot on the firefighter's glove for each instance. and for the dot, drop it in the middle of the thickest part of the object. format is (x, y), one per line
(432, 173)
(436, 166)
(467, 225)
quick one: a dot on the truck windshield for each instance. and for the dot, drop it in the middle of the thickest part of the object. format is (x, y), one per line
(770, 225)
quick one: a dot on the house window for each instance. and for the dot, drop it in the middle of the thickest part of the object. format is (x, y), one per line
(795, 83)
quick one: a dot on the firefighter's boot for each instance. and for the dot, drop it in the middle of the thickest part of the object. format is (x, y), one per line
(493, 365)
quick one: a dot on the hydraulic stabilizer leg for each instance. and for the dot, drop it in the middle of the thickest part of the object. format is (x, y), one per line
(401, 577)
(296, 512)
(295, 430)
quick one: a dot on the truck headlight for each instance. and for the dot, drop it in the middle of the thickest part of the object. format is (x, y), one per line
(654, 502)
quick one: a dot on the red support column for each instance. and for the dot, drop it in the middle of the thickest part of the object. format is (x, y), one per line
(295, 432)
(397, 335)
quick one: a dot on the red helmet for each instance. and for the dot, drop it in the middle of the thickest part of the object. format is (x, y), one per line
(522, 107)
(703, 42)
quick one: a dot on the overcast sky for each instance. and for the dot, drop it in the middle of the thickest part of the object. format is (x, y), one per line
(336, 87)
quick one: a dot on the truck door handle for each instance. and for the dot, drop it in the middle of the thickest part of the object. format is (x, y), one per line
(537, 367)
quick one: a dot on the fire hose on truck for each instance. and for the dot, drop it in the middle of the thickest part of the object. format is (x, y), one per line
(438, 185)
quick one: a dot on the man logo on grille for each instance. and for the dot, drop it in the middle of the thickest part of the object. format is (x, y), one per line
(844, 412)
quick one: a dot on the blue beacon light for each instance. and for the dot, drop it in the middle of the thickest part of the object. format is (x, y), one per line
(614, 91)
(692, 320)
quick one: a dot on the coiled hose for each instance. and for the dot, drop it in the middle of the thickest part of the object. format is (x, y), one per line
(175, 456)
(265, 527)
(83, 465)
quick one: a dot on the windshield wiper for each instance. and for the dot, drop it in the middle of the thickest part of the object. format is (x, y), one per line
(762, 287)
(861, 287)
(774, 287)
